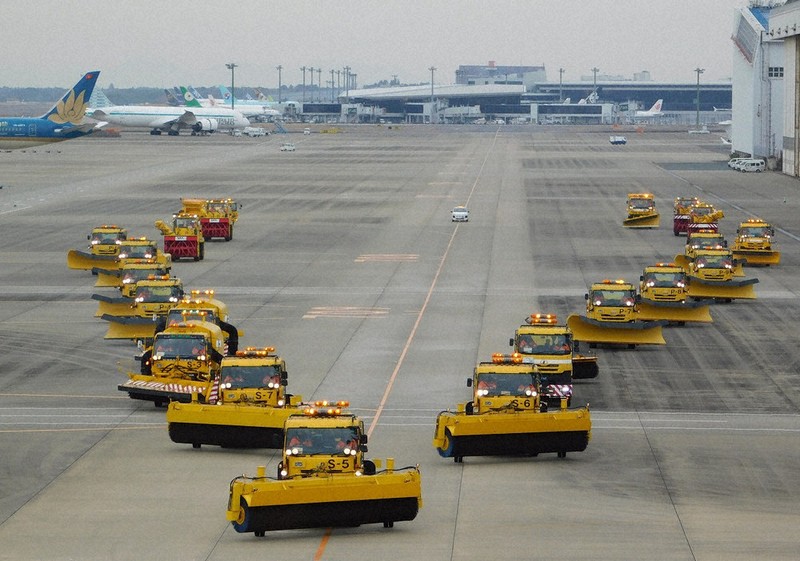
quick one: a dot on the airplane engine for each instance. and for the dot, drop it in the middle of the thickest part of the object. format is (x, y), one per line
(205, 125)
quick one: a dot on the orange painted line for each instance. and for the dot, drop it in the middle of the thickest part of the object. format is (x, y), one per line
(322, 544)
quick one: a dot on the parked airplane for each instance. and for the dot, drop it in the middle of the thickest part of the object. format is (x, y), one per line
(62, 122)
(252, 108)
(654, 111)
(171, 120)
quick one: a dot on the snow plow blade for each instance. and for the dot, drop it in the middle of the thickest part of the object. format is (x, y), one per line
(633, 333)
(729, 290)
(758, 257)
(77, 259)
(162, 393)
(129, 327)
(106, 278)
(513, 433)
(228, 425)
(649, 221)
(262, 504)
(584, 367)
(116, 306)
(675, 311)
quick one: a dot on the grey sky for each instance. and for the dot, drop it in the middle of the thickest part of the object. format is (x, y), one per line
(164, 43)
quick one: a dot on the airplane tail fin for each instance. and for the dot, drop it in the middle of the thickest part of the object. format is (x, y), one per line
(657, 106)
(72, 106)
(172, 99)
(260, 95)
(225, 93)
(567, 101)
(190, 100)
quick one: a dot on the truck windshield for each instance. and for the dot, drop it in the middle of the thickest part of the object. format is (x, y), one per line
(705, 241)
(556, 344)
(175, 346)
(495, 384)
(131, 276)
(640, 204)
(665, 280)
(107, 238)
(177, 315)
(612, 297)
(755, 232)
(327, 441)
(263, 376)
(147, 251)
(155, 294)
(714, 262)
(185, 223)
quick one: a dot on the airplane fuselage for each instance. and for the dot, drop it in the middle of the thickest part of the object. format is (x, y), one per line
(169, 117)
(23, 132)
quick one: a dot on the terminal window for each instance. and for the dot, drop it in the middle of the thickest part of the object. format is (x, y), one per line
(775, 72)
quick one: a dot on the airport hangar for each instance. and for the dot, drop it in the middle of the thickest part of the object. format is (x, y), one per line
(514, 102)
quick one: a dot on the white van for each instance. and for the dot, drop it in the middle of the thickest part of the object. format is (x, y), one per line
(751, 165)
(733, 161)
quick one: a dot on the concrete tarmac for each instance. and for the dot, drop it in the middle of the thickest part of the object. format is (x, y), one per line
(345, 259)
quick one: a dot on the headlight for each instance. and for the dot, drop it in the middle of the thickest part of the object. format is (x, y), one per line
(598, 302)
(95, 242)
(284, 473)
(281, 403)
(272, 386)
(358, 473)
(650, 284)
(226, 386)
(530, 392)
(123, 255)
(148, 255)
(681, 284)
(139, 299)
(483, 392)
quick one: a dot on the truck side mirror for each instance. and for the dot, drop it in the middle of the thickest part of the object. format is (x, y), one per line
(362, 440)
(586, 296)
(641, 277)
(469, 382)
(511, 342)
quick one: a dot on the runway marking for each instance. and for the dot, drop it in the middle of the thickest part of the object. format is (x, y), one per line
(63, 395)
(345, 312)
(386, 257)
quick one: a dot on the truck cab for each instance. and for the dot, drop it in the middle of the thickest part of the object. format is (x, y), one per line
(142, 248)
(192, 350)
(713, 265)
(754, 235)
(664, 282)
(325, 440)
(254, 375)
(704, 239)
(156, 295)
(504, 384)
(611, 301)
(641, 204)
(106, 239)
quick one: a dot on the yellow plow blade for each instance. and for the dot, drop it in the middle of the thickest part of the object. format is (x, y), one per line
(106, 278)
(758, 257)
(633, 333)
(682, 261)
(648, 221)
(86, 261)
(112, 306)
(129, 327)
(675, 311)
(730, 290)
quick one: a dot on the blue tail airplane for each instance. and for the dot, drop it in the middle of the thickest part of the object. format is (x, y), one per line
(62, 122)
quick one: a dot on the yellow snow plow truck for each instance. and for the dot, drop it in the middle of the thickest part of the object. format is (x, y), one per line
(129, 273)
(612, 316)
(507, 417)
(217, 216)
(183, 360)
(324, 480)
(132, 248)
(703, 239)
(753, 244)
(247, 408)
(641, 211)
(664, 294)
(135, 318)
(711, 275)
(184, 238)
(550, 345)
(104, 244)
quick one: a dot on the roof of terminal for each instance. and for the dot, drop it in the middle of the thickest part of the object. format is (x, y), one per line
(424, 91)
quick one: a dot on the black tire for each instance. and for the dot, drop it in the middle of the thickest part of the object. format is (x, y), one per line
(195, 445)
(229, 237)
(388, 524)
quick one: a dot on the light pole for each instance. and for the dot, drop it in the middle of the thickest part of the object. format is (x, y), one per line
(432, 69)
(303, 68)
(347, 82)
(319, 83)
(279, 68)
(332, 84)
(699, 71)
(560, 85)
(595, 70)
(231, 66)
(338, 82)
(311, 68)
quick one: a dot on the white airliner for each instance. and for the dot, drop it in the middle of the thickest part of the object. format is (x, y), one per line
(171, 120)
(654, 111)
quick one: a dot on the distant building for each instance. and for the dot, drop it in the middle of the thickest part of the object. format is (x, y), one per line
(758, 77)
(472, 75)
(783, 27)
